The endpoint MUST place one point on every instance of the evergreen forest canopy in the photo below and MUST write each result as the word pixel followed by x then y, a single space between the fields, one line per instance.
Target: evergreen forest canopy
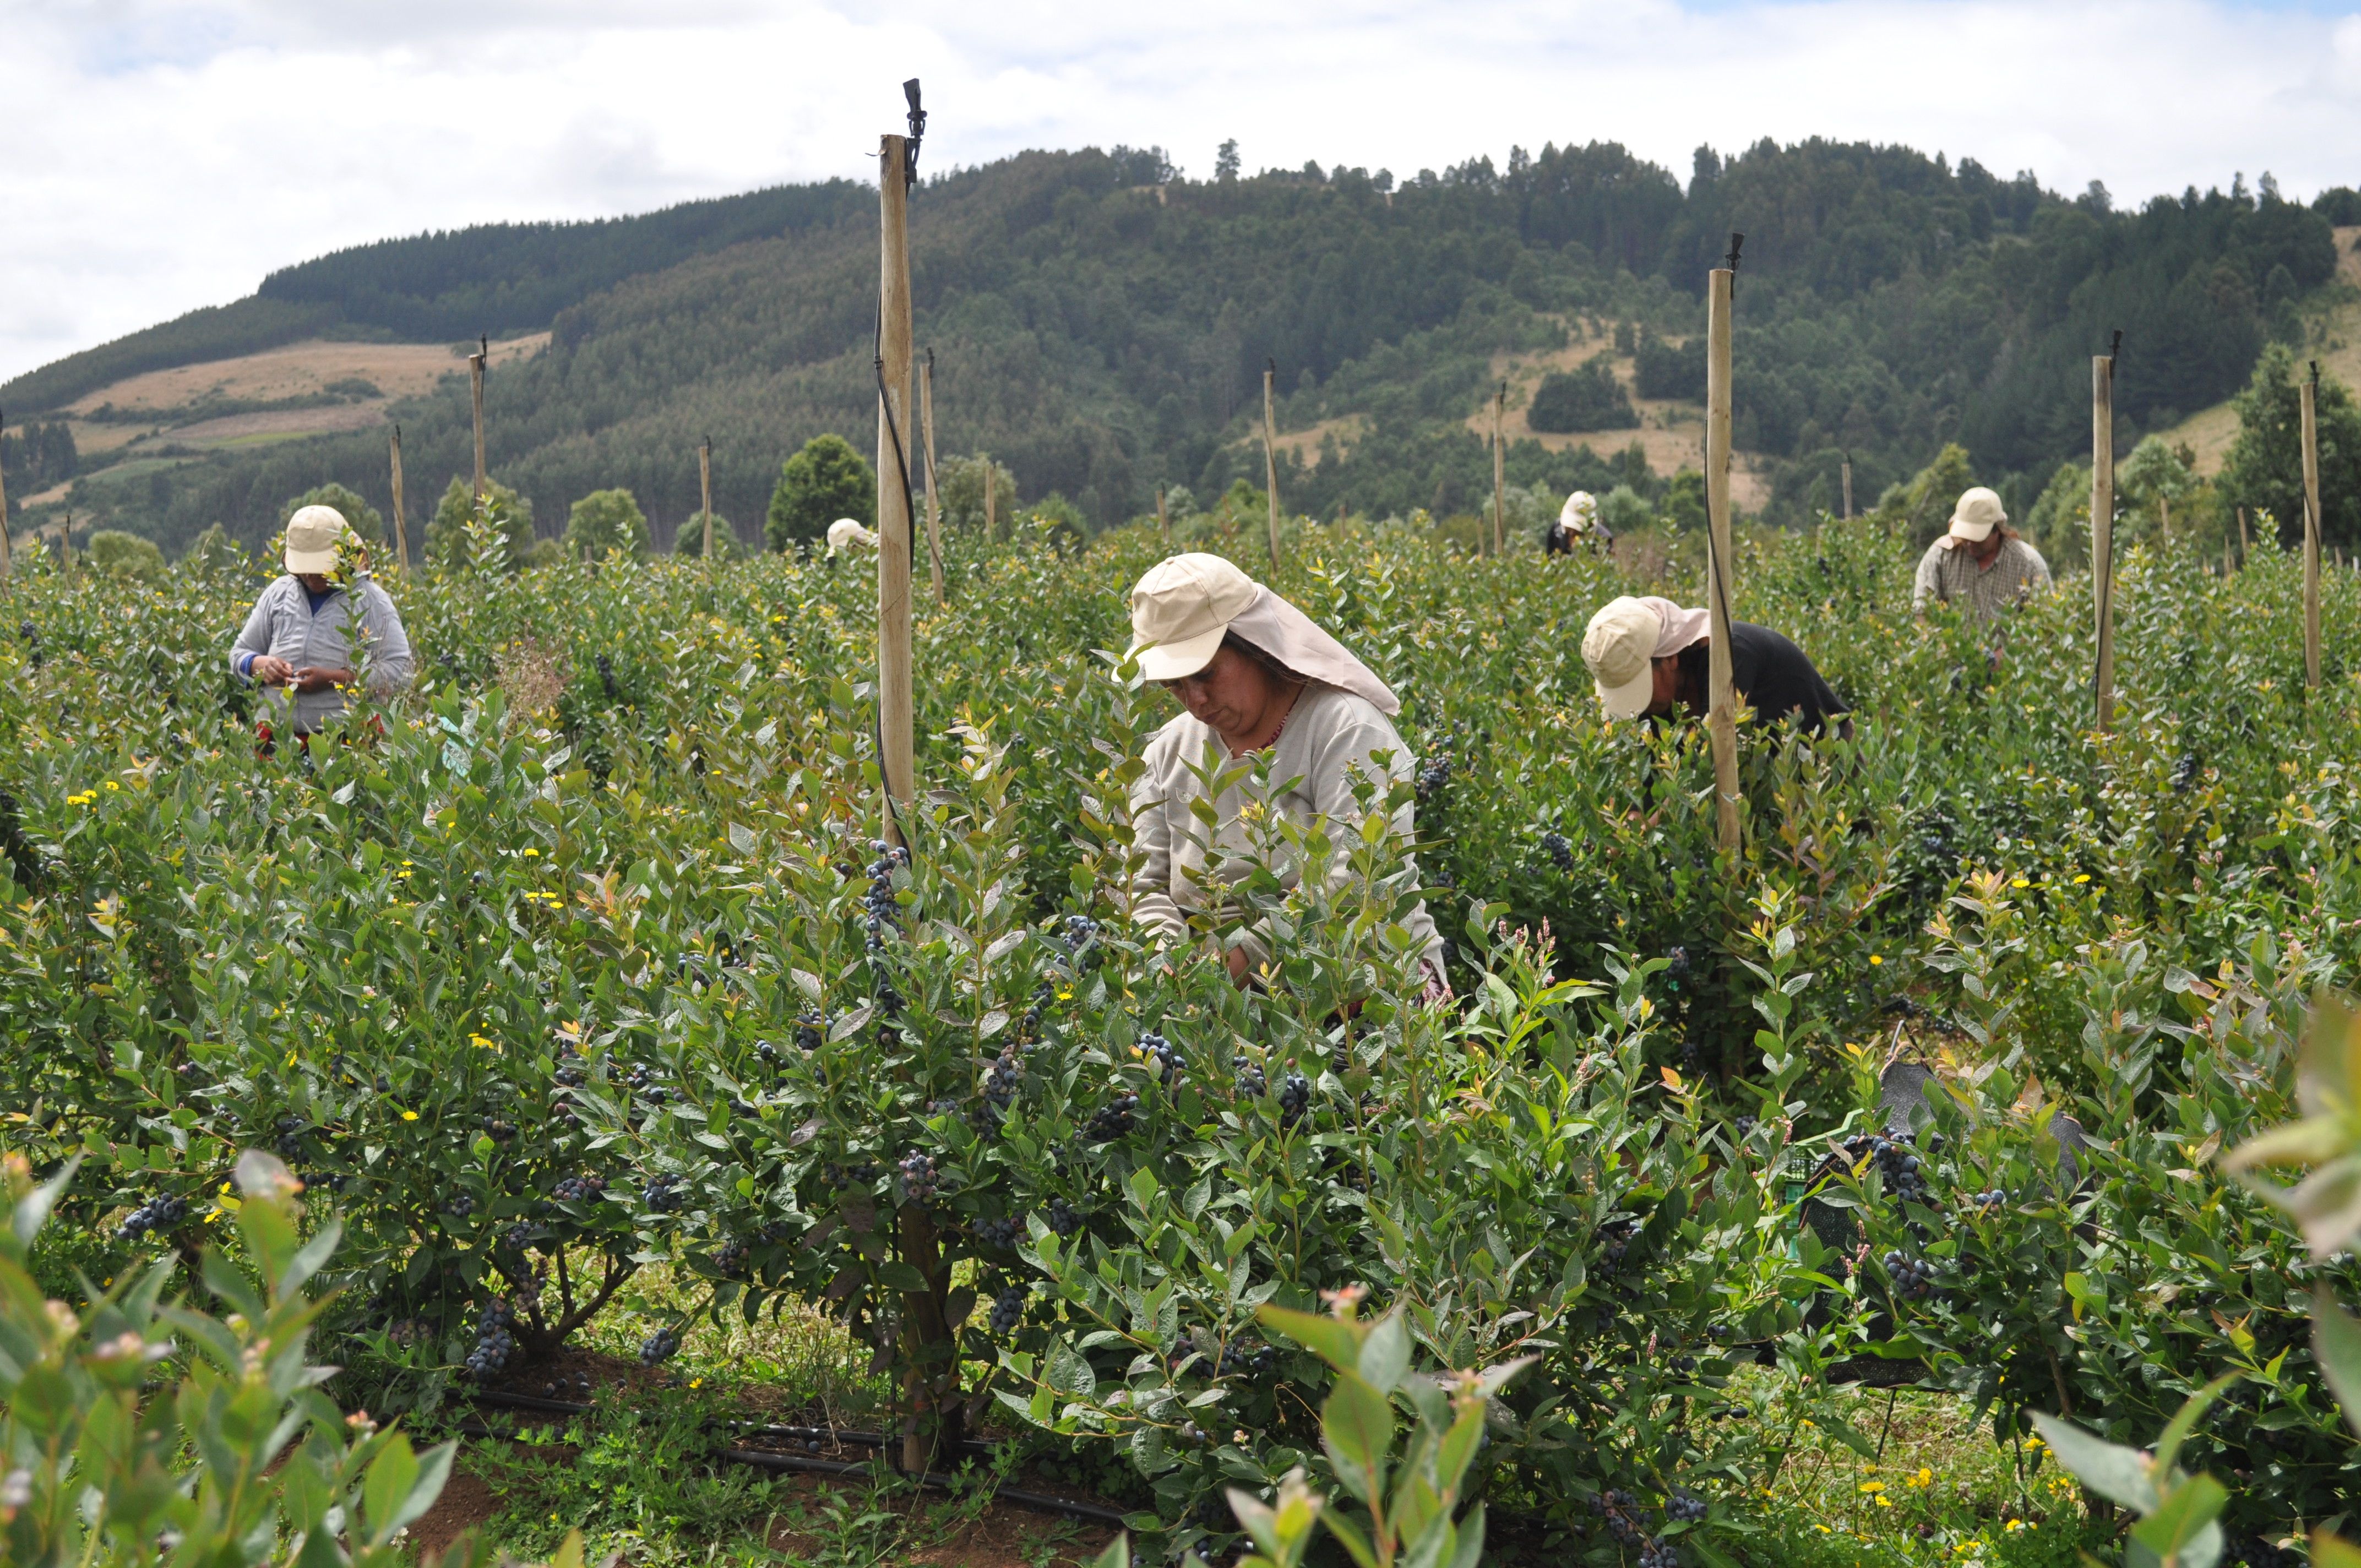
pixel 1100 326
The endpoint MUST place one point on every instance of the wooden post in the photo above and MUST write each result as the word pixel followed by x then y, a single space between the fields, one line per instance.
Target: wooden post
pixel 2309 392
pixel 895 704
pixel 1721 720
pixel 2164 521
pixel 1847 471
pixel 1270 457
pixel 1499 471
pixel 476 362
pixel 1163 521
pixel 2245 544
pixel 7 561
pixel 705 494
pixel 2102 532
pixel 934 502
pixel 65 543
pixel 991 499
pixel 400 529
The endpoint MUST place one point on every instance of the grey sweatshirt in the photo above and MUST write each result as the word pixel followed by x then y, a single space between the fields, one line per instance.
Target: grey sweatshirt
pixel 284 626
pixel 1326 734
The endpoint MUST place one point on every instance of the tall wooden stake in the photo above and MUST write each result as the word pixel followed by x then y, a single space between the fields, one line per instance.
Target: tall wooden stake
pixel 2102 532
pixel 934 502
pixel 991 499
pixel 1163 521
pixel 2245 543
pixel 65 542
pixel 476 374
pixel 1721 720
pixel 1847 472
pixel 7 562
pixel 1499 471
pixel 1270 457
pixel 400 529
pixel 2164 521
pixel 705 492
pixel 2309 392
pixel 896 703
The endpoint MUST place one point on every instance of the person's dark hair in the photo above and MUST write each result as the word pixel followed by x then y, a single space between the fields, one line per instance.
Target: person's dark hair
pixel 1270 666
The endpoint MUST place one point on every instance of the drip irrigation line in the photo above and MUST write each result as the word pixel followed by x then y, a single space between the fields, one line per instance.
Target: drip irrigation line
pixel 764 1459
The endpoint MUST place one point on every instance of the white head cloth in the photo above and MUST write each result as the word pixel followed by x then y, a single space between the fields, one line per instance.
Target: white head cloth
pixel 1681 627
pixel 1290 636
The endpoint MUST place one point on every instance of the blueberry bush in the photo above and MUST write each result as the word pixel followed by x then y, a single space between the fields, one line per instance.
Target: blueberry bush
pixel 594 953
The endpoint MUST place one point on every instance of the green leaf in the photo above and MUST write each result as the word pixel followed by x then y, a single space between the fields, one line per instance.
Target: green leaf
pixel 2168 1447
pixel 1116 1555
pixel 2118 1474
pixel 1385 1354
pixel 388 1487
pixel 2336 1341
pixel 1357 1426
pixel 1336 1342
pixel 1348 1532
pixel 2181 1531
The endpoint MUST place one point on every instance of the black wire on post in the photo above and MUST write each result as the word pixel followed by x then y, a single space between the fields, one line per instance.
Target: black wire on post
pixel 1719 567
pixel 918 121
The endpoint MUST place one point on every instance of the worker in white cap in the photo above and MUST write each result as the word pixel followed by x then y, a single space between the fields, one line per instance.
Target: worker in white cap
pixel 1980 563
pixel 844 534
pixel 298 640
pixel 1255 679
pixel 1576 521
pixel 1649 656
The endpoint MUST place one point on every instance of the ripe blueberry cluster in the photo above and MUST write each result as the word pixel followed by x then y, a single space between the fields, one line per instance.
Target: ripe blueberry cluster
pixel 1250 1079
pixel 944 1107
pixel 2184 772
pixel 1560 852
pixel 1992 1200
pixel 1163 1058
pixel 1659 1553
pixel 1080 931
pixel 1676 968
pixel 659 1347
pixel 1620 1510
pixel 920 1182
pixel 1062 1219
pixel 1294 1099
pixel 1111 1120
pixel 847 1176
pixel 1685 1507
pixel 1242 1360
pixel 607 677
pixel 643 1081
pixel 570 1074
pixel 501 1130
pixel 1614 1248
pixel 290 1141
pixel 460 1206
pixel 1008 1309
pixel 1745 1124
pixel 732 1258
pixel 1906 1180
pixel 1003 1078
pixel 577 1384
pixel 580 1190
pixel 1433 775
pixel 666 1194
pixel 517 1237
pixel 159 1214
pixel 810 1030
pixel 1003 1232
pixel 495 1340
pixel 884 911
pixel 1913 1279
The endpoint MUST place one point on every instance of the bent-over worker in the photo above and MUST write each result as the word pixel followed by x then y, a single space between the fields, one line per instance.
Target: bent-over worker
pixel 1576 521
pixel 1649 656
pixel 1254 675
pixel 299 635
pixel 1980 563
pixel 846 535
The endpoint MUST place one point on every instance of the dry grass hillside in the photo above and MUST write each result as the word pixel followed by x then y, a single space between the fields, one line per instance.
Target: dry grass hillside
pixel 143 418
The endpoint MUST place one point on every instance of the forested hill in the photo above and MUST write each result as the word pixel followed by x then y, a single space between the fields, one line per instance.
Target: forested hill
pixel 1102 327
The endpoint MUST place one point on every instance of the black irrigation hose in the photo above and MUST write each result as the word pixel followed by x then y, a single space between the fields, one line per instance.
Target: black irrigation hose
pixel 763 1459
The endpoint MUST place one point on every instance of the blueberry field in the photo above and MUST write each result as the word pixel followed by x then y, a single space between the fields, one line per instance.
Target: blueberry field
pixel 1838 1201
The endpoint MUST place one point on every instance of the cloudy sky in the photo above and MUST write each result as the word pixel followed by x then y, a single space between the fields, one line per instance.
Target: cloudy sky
pixel 164 154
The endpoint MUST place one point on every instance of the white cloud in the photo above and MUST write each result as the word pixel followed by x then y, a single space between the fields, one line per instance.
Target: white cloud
pixel 165 155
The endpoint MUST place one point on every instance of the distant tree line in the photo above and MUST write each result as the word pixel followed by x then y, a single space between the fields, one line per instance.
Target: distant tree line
pixel 1100 326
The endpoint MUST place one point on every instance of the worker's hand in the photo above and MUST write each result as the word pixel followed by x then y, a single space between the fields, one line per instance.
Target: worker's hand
pixel 313 678
pixel 270 671
pixel 1241 967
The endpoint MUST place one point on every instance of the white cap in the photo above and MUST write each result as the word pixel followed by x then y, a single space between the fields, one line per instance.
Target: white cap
pixel 1579 513
pixel 1180 609
pixel 1619 647
pixel 1977 514
pixel 313 534
pixel 844 532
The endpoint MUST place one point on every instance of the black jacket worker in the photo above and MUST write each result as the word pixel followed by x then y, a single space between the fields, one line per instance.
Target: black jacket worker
pixel 1649 656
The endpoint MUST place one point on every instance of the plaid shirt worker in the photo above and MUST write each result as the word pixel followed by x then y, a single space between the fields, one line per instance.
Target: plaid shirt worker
pixel 1948 571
